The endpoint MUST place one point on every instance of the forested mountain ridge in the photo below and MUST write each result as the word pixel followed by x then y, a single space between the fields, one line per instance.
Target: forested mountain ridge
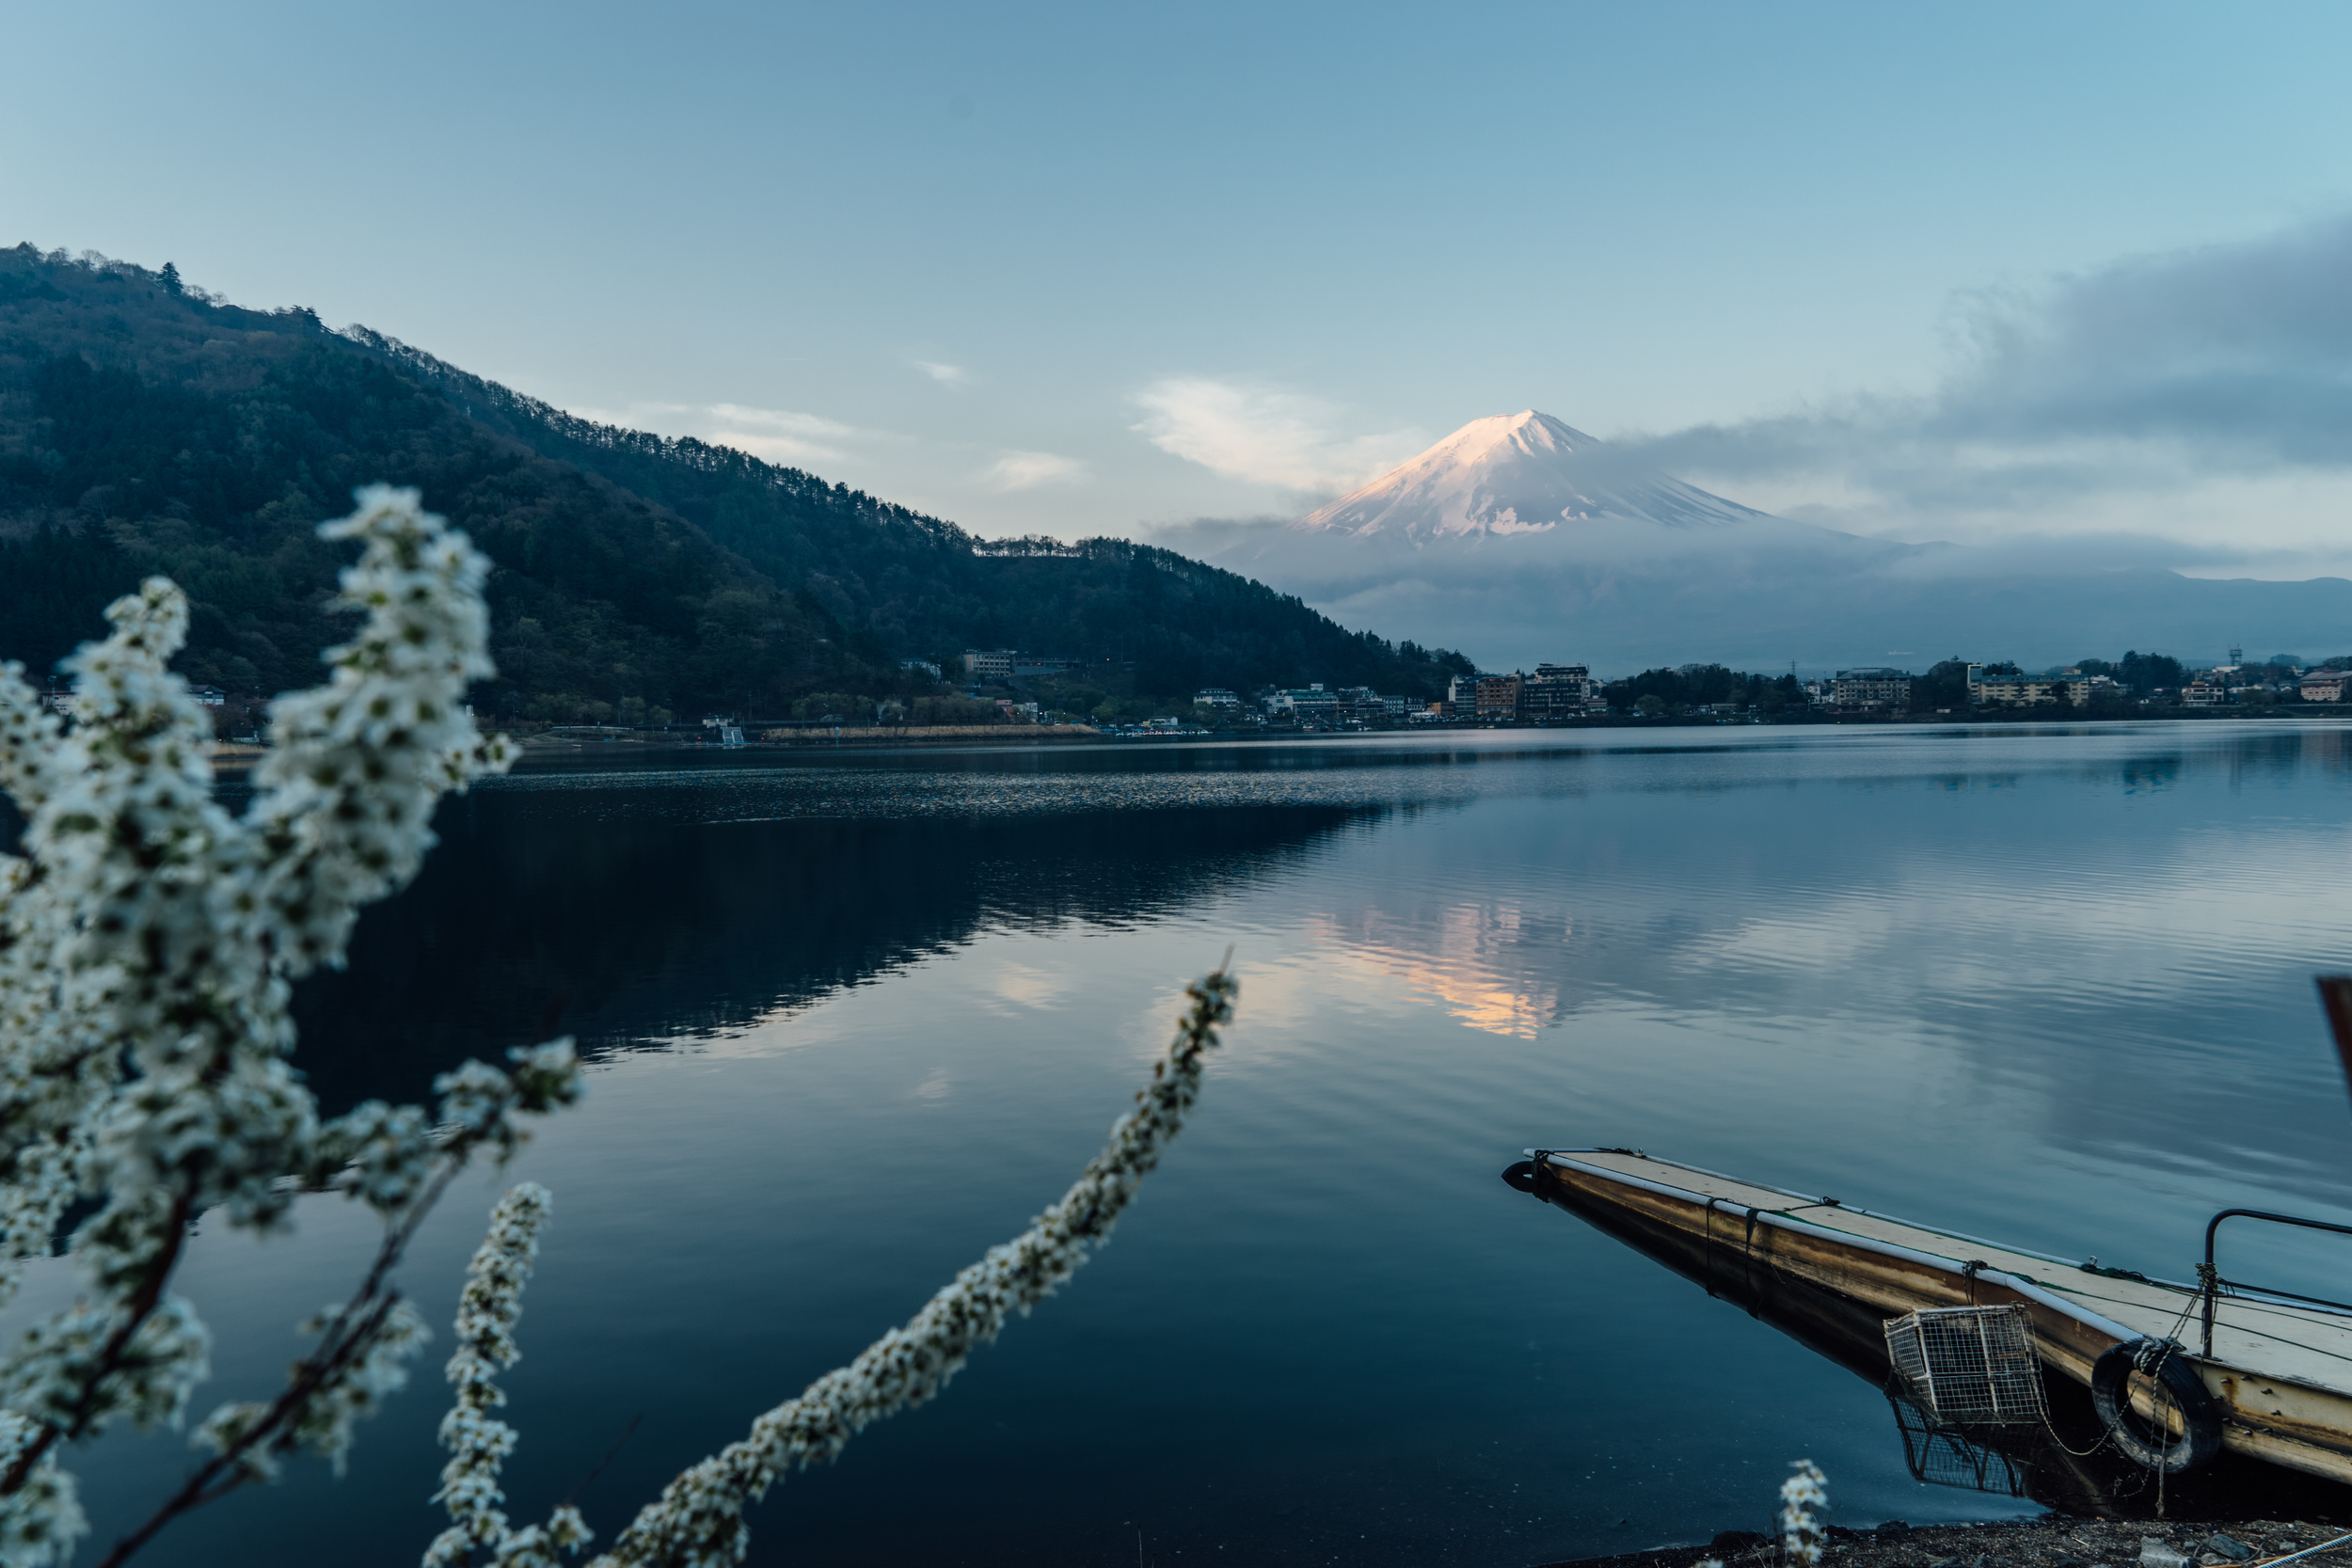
pixel 146 426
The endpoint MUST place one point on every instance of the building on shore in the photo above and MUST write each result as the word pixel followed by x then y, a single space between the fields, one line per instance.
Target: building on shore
pixel 2027 690
pixel 1498 696
pixel 1004 664
pixel 1559 691
pixel 1878 688
pixel 988 664
pixel 1307 704
pixel 1362 705
pixel 1214 696
pixel 2322 685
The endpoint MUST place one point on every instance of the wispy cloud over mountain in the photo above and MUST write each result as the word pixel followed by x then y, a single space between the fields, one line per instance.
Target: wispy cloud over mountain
pixel 1026 470
pixel 1265 435
pixel 2166 391
pixel 778 434
pixel 2190 409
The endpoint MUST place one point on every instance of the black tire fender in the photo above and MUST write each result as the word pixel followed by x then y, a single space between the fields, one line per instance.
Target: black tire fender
pixel 2147 1444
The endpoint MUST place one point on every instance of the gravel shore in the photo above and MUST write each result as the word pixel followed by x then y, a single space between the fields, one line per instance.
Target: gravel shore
pixel 2049 1541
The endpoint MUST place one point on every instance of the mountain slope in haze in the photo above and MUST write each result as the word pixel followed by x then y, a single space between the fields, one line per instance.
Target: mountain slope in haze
pixel 147 427
pixel 1521 539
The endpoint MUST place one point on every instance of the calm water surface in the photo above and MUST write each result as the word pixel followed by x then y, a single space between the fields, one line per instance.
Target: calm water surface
pixel 856 1018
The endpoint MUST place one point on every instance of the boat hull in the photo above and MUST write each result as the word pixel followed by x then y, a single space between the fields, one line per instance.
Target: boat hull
pixel 2275 1406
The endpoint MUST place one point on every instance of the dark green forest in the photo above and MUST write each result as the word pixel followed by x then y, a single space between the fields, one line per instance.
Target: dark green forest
pixel 148 427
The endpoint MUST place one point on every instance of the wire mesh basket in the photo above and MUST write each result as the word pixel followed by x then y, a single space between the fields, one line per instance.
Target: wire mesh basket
pixel 1969 1364
pixel 1943 1456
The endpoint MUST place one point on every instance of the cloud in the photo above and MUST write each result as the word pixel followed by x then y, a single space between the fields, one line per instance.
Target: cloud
pixel 2172 392
pixel 1026 470
pixel 946 376
pixel 1266 436
pixel 778 434
pixel 774 433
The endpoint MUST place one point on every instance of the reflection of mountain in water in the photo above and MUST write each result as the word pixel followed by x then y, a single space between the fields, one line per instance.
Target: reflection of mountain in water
pixel 1492 963
pixel 538 912
pixel 1952 904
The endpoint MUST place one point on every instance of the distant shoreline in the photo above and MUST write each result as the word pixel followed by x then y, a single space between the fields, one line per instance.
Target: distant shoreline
pixel 232 758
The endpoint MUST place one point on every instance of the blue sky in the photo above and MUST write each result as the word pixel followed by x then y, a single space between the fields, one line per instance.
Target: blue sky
pixel 1095 269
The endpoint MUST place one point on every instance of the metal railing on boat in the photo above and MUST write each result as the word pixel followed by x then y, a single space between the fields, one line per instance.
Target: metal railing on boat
pixel 2210 1285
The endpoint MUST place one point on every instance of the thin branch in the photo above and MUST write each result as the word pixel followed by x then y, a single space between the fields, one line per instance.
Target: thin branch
pixel 338 1343
pixel 308 1380
pixel 610 1456
pixel 699 1516
pixel 141 1307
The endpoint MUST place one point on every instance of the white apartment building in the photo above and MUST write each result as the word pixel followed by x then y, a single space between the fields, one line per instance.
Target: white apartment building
pixel 1878 687
pixel 988 664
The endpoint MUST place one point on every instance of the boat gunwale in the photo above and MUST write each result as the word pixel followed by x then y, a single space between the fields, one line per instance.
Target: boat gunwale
pixel 1835 1203
pixel 2254 1294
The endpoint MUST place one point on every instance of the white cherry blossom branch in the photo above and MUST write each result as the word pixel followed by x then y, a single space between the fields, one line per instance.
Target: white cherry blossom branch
pixel 698 1520
pixel 478 1442
pixel 147 944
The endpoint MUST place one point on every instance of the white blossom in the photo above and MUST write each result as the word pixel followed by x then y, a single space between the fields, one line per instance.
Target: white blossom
pixel 378 1153
pixel 361 1365
pixel 698 1520
pixel 1803 1498
pixel 477 1442
pixel 372 1369
pixel 148 941
pixel 41 1519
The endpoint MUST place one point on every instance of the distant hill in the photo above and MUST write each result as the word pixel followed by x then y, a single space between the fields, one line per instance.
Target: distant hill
pixel 146 426
pixel 1529 539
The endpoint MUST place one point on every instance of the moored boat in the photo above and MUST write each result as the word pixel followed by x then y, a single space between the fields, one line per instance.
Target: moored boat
pixel 2178 1371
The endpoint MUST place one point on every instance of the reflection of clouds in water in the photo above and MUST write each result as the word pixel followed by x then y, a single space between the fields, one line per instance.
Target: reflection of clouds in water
pixel 2107 963
pixel 1485 963
pixel 2045 910
pixel 2219 899
pixel 1020 985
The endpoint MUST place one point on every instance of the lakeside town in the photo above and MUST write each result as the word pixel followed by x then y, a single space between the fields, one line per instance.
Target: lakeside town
pixel 1063 700
pixel 1025 688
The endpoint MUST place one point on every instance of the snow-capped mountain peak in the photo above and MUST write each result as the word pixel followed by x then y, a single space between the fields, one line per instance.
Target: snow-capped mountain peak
pixel 1518 473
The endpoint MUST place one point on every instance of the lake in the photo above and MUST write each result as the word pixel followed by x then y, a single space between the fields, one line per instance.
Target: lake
pixel 856 1017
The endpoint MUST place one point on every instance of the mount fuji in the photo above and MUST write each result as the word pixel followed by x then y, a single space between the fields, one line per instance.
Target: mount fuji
pixel 1518 473
pixel 1520 539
